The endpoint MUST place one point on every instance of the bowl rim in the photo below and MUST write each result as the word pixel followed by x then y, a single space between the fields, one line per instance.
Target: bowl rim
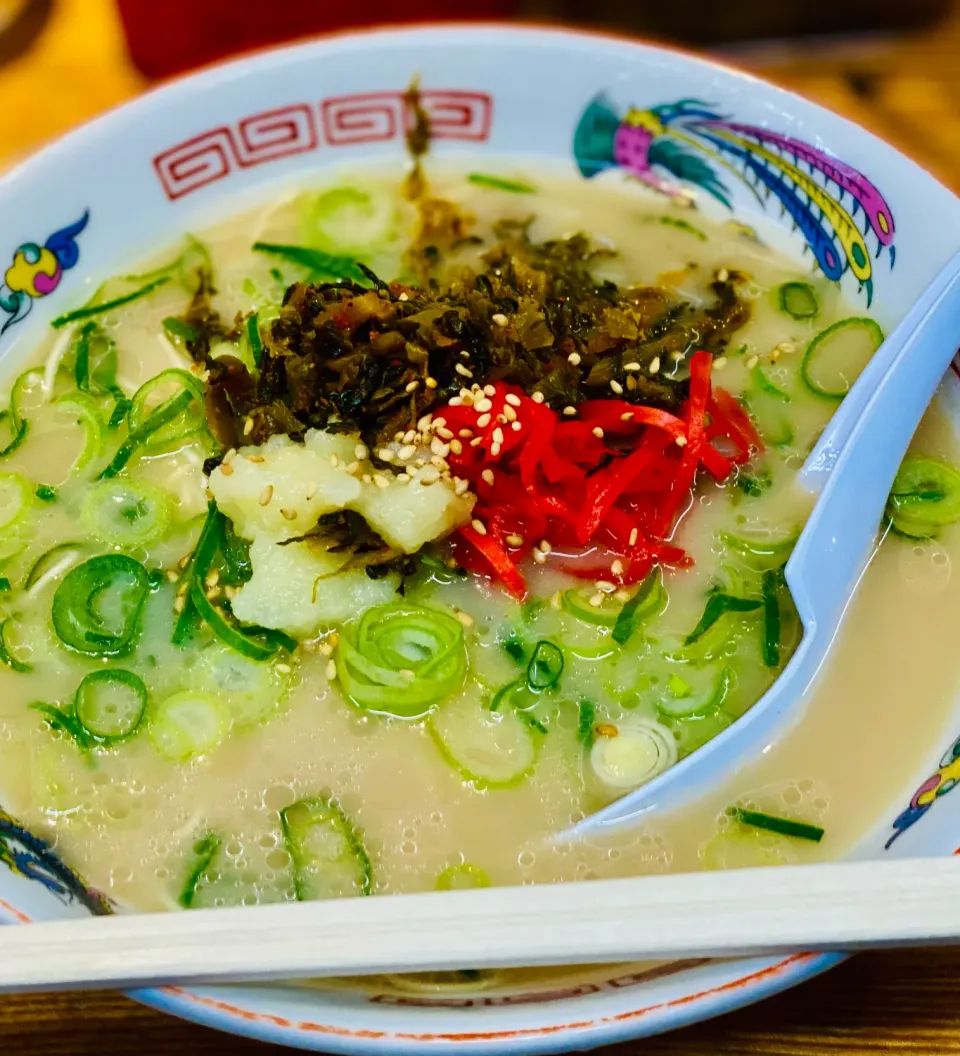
pixel 764 978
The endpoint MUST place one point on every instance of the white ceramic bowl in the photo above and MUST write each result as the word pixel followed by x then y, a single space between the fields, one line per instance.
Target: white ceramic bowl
pixel 181 156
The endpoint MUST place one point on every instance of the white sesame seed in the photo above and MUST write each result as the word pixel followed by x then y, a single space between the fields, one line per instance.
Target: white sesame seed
pixel 513 399
pixel 500 319
pixel 597 432
pixel 385 454
pixel 616 386
pixel 312 489
pixel 483 421
pixel 403 297
pixel 425 423
pixel 723 275
pixel 719 363
pixel 412 386
pixel 406 452
pixel 634 533
pixel 456 446
pixel 515 540
pixel 774 356
pixel 509 413
pixel 213 578
pixel 681 441
pixel 429 475
pixel 631 366
pixel 460 485
pixel 498 435
pixel 616 567
pixel 654 365
pixel 596 600
pixel 539 556
pixel 253 458
pixel 462 371
pixel 476 440
pixel 283 669
pixel 325 648
pixel 495 449
pixel 544 546
pixel 455 401
pixel 404 478
pixel 489 390
pixel 752 362
pixel 226 469
pixel 488 476
pixel 627 416
pixel 574 359
pixel 444 433
pixel 569 410
pixel 465 434
pixel 438 447
pixel 290 515
pixel 409 436
pixel 464 617
pixel 360 451
pixel 248 427
pixel 366 478
pixel 516 426
pixel 331 670
pixel 478 526
pixel 380 480
pixel 605 586
pixel 353 468
pixel 538 397
pixel 431 383
pixel 482 406
pixel 334 460
pixel 266 495
pixel 178 604
pixel 230 455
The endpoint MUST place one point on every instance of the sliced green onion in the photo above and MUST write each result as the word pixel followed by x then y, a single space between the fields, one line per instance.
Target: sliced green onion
pixel 516 695
pixel 64 721
pixel 403 660
pixel 636 754
pixel 604 614
pixel 177 429
pixel 719 605
pixel 209 543
pixel 350 220
pixel 81 369
pixel 253 338
pixel 798 300
pixel 17 495
pixel 545 667
pixel 764 384
pixel 497 183
pixel 254 643
pixel 4 583
pixel 683 225
pixel 586 719
pixel 17 421
pixel 126 513
pixel 166 412
pixel 329 859
pixel 649 601
pixel 513 646
pixel 110 704
pixel 86 413
pixel 205 849
pixel 770 591
pixel 180 330
pixel 753 485
pixel 89 310
pixel 463 877
pixel 45 493
pixel 6 656
pixel 782 826
pixel 925 497
pixel 323 265
pixel 55 560
pixel 836 356
pixel 188 724
pixel 493 749
pixel 97 607
pixel 759 546
pixel 699 691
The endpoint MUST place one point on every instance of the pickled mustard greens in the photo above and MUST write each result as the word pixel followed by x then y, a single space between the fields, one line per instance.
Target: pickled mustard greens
pixel 362 527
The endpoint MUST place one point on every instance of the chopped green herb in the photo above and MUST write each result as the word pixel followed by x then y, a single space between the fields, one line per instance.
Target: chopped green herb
pixel 322 265
pixel 648 599
pixel 801 830
pixel 770 590
pixel 545 667
pixel 754 486
pixel 585 724
pixel 683 225
pixel 253 336
pixel 45 493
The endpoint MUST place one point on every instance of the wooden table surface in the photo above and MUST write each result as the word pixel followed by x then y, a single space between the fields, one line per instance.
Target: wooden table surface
pixel 907 90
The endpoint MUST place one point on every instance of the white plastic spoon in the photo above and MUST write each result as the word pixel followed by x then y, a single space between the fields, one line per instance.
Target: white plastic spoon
pixel 852 469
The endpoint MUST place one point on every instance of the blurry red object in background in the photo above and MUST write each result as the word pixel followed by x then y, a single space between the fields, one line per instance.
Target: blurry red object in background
pixel 169 36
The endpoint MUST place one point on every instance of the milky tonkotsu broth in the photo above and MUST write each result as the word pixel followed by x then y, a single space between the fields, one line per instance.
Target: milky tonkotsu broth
pixel 126 818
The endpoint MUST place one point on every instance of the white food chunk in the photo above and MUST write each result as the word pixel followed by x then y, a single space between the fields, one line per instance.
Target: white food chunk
pixel 299 588
pixel 408 515
pixel 287 486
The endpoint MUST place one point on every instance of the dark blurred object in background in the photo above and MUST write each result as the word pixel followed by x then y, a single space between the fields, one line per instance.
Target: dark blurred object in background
pixel 170 36
pixel 20 24
pixel 707 22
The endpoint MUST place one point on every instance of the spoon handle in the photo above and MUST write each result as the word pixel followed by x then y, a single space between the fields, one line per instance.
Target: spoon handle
pixel 857 464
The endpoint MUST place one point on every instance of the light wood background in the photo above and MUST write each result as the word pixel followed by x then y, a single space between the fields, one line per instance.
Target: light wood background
pixel 905 89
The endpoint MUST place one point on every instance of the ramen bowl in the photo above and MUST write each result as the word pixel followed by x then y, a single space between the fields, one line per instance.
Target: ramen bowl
pixel 807 181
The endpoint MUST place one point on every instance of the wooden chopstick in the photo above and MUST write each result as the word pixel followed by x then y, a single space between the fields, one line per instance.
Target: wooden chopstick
pixel 710 914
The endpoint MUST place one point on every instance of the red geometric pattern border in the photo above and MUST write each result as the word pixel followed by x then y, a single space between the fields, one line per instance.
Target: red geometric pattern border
pixel 368 117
